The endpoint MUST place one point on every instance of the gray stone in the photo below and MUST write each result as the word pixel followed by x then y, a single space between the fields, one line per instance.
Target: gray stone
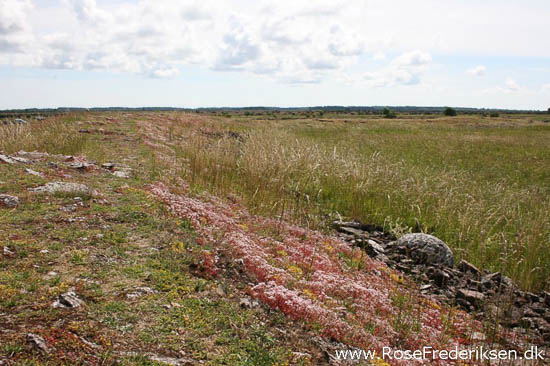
pixel 8 252
pixel 171 361
pixel 37 343
pixel 473 297
pixel 19 159
pixel 140 291
pixel 466 267
pixel 62 187
pixel 80 166
pixel 8 201
pixel 32 154
pixel 426 249
pixel 352 231
pixel 440 278
pixel 122 174
pixel 373 248
pixel 68 300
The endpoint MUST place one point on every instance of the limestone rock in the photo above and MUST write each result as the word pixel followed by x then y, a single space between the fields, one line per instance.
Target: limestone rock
pixel 68 300
pixel 5 159
pixel 62 187
pixel 426 249
pixel 122 174
pixel 140 291
pixel 8 201
pixel 33 172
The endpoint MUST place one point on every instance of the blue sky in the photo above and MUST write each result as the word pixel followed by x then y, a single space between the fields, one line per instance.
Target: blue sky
pixel 192 53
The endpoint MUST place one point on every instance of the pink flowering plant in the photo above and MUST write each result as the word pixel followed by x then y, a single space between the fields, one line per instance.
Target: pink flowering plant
pixel 320 280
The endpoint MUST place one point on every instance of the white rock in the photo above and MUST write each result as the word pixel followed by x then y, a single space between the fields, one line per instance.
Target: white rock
pixel 33 172
pixel 6 159
pixel 67 300
pixel 122 174
pixel 62 187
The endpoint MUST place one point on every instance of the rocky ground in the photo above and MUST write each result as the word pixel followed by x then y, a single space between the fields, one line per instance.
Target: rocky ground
pixel 115 260
pixel 491 297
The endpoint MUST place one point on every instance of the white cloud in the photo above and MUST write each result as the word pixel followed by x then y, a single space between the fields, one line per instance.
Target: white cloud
pixel 379 56
pixel 405 69
pixel 290 41
pixel 545 88
pixel 476 71
pixel 511 86
pixel 15 30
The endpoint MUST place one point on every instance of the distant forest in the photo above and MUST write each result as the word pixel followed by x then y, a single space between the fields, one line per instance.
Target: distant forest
pixel 261 110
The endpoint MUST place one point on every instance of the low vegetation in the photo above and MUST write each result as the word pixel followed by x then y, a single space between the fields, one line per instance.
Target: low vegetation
pixel 479 184
pixel 171 263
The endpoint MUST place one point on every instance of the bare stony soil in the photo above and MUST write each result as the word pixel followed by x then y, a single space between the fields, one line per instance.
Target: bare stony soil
pixel 109 257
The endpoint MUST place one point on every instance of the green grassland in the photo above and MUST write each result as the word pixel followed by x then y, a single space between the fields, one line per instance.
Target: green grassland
pixel 481 184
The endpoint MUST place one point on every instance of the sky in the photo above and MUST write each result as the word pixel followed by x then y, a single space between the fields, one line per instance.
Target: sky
pixel 212 53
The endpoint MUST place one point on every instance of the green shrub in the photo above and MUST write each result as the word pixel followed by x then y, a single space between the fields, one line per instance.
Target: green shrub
pixel 388 113
pixel 451 112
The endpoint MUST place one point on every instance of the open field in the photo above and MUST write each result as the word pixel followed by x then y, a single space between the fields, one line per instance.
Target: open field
pixel 172 263
pixel 480 184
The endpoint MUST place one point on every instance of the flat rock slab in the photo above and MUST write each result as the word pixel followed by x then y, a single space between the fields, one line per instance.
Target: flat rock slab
pixel 62 187
pixel 473 297
pixel 122 174
pixel 33 172
pixel 5 159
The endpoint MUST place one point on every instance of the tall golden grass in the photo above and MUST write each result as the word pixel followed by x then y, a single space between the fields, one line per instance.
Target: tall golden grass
pixel 57 135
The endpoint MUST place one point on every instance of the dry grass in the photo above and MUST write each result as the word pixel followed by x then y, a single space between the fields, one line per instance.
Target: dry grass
pixel 57 135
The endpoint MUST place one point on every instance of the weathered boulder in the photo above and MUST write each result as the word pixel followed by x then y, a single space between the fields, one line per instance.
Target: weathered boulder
pixel 425 249
pixel 8 201
pixel 62 187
